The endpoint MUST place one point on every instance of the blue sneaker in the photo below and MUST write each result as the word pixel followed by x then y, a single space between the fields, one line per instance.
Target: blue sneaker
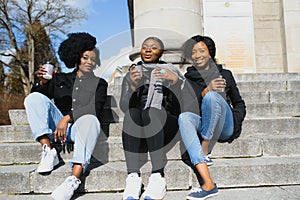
pixel 200 194
pixel 208 160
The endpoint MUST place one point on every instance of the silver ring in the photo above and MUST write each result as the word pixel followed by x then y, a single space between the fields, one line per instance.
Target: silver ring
pixel 162 71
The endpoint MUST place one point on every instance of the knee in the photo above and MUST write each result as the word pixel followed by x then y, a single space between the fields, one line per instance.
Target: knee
pixel 181 117
pixel 33 99
pixel 184 118
pixel 210 97
pixel 89 121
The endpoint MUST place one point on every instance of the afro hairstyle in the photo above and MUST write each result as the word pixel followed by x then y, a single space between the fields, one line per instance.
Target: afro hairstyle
pixel 71 49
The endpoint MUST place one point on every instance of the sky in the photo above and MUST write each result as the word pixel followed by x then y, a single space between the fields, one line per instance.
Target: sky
pixel 108 21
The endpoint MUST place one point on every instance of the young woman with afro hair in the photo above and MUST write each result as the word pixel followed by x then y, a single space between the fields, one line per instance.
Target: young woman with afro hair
pixel 68 107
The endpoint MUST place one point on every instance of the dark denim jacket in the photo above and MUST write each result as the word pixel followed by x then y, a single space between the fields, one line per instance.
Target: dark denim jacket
pixel 74 96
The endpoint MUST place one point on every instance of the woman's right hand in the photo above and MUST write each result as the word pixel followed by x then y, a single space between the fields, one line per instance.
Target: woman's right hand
pixel 61 129
pixel 42 71
pixel 135 77
pixel 217 84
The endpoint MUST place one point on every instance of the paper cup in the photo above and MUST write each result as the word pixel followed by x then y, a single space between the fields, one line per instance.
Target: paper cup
pixel 49 68
pixel 139 67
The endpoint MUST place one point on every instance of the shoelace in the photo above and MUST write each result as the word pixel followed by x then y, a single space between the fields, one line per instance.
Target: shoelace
pixel 45 152
pixel 153 183
pixel 132 182
pixel 196 190
pixel 73 183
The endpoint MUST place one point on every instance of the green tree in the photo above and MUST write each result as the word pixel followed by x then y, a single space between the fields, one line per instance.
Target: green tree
pixel 22 25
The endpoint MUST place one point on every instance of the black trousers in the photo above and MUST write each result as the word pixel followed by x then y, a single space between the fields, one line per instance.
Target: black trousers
pixel 151 130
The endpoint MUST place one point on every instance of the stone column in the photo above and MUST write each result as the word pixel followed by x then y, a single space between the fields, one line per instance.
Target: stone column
pixel 291 11
pixel 173 21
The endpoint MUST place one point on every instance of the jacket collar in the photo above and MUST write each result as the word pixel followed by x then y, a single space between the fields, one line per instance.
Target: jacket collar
pixel 85 76
pixel 193 74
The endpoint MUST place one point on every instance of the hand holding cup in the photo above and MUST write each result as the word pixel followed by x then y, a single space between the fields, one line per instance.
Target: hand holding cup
pixel 49 69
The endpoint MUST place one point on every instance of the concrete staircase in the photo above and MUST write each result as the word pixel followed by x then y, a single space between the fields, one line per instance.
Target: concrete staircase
pixel 266 154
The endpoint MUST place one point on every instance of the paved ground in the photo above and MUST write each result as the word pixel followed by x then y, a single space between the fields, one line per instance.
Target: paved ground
pixel 262 193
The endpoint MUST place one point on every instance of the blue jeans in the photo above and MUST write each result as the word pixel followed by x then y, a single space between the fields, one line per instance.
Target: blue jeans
pixel 43 116
pixel 216 123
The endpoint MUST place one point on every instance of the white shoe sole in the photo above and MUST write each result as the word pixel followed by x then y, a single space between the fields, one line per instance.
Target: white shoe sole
pixel 194 198
pixel 54 196
pixel 163 196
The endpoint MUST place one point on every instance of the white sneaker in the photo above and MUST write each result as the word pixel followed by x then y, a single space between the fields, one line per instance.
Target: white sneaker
pixel 49 160
pixel 66 190
pixel 133 187
pixel 156 187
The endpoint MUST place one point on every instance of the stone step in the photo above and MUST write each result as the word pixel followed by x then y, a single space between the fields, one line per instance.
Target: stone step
pixel 247 83
pixel 246 77
pixel 263 86
pixel 270 106
pixel 110 150
pixel 22 133
pixel 250 125
pixel 253 89
pixel 249 86
pixel 227 173
pixel 266 77
pixel 16 133
pixel 267 110
pixel 251 193
pixel 268 92
pixel 271 125
pixel 273 109
pixel 287 97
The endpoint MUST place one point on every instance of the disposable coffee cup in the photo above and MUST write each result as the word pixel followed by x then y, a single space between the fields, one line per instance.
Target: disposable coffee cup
pixel 139 68
pixel 223 89
pixel 49 68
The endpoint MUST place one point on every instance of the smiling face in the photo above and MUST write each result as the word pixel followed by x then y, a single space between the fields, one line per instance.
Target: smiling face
pixel 151 51
pixel 87 62
pixel 200 55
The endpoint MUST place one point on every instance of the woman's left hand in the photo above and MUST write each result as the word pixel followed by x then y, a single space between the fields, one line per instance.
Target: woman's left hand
pixel 166 74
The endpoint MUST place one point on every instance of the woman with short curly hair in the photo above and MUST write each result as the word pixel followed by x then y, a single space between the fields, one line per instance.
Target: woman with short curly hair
pixel 75 112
